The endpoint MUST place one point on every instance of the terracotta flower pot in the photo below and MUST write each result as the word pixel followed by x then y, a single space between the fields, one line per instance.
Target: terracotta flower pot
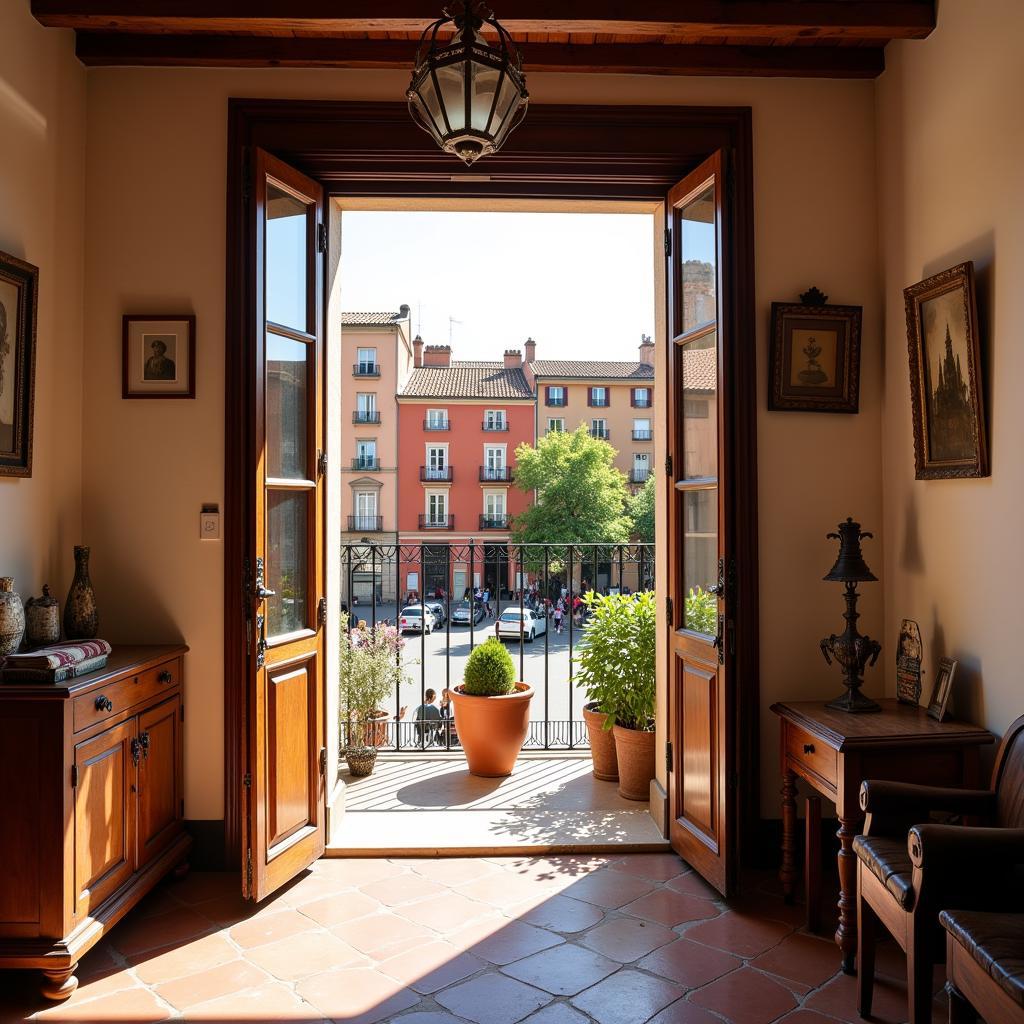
pixel 602 744
pixel 375 729
pixel 492 729
pixel 635 753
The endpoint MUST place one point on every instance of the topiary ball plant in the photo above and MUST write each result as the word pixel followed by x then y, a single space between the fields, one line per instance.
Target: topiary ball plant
pixel 489 670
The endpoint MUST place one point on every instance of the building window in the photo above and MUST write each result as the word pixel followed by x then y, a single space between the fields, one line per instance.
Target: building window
pixel 437 508
pixel 365 506
pixel 366 363
pixel 641 398
pixel 366 408
pixel 494 462
pixel 599 397
pixel 366 455
pixel 556 425
pixel 642 430
pixel 641 468
pixel 494 419
pixel 695 408
pixel 437 419
pixel 599 428
pixel 555 395
pixel 437 462
pixel 495 516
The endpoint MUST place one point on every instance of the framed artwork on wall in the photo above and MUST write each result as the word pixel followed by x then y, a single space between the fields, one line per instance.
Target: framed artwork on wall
pixel 945 376
pixel 814 362
pixel 940 691
pixel 19 303
pixel 159 357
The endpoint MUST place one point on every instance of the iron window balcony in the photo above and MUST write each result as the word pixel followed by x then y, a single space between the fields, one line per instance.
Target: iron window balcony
pixel 642 403
pixel 495 426
pixel 430 474
pixel 434 522
pixel 601 435
pixel 366 524
pixel 366 462
pixel 643 435
pixel 428 425
pixel 639 476
pixel 366 370
pixel 556 403
pixel 496 474
pixel 599 403
pixel 366 416
pixel 494 522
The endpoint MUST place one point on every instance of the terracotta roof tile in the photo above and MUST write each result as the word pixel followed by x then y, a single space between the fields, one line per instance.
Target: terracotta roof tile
pixel 370 319
pixel 588 368
pixel 469 379
pixel 700 369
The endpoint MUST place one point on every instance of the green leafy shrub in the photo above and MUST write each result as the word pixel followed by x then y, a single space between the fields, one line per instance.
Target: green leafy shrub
pixel 489 670
pixel 616 658
pixel 701 611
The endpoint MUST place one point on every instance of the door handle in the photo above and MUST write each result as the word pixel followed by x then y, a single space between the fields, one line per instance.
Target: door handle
pixel 136 749
pixel 144 743
pixel 262 593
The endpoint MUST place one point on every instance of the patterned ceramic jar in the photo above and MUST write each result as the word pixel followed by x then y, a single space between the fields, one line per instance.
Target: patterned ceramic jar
pixel 42 620
pixel 12 618
pixel 81 619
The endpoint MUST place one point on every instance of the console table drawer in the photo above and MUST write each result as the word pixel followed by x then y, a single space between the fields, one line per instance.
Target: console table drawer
pixel 807 751
pixel 107 701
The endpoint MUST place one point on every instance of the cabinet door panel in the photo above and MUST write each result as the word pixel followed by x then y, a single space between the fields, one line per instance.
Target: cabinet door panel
pixel 104 815
pixel 159 795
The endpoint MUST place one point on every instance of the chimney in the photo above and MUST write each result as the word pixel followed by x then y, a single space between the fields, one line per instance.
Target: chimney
pixel 531 350
pixel 437 355
pixel 404 310
pixel 513 359
pixel 646 350
pixel 417 351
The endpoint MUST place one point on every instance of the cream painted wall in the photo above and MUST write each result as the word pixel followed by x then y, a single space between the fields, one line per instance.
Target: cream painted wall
pixel 155 182
pixel 950 153
pixel 42 215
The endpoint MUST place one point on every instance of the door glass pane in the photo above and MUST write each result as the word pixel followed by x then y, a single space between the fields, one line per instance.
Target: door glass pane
pixel 286 256
pixel 699 368
pixel 698 257
pixel 287 527
pixel 700 559
pixel 287 393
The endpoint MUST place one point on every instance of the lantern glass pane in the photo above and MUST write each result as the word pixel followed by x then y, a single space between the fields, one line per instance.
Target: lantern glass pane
pixel 507 99
pixel 485 81
pixel 430 117
pixel 453 95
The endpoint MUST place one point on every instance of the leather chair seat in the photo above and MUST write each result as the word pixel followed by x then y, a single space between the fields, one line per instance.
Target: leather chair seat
pixel 889 861
pixel 995 942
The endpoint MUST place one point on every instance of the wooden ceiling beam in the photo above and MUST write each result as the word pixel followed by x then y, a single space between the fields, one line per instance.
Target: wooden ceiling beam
pixel 121 50
pixel 704 19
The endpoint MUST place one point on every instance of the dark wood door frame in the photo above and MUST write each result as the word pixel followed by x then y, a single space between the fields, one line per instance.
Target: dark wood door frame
pixel 560 152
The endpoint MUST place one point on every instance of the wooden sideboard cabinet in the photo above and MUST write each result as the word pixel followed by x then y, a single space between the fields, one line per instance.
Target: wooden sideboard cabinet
pixel 93 806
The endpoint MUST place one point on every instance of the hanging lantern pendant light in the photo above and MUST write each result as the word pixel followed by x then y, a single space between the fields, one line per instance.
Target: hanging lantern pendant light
pixel 466 92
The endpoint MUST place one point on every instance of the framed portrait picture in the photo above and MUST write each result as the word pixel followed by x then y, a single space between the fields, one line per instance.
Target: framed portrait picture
pixel 940 691
pixel 814 362
pixel 19 303
pixel 159 359
pixel 945 376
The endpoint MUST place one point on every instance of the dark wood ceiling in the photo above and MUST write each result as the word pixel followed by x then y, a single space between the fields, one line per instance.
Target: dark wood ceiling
pixel 798 38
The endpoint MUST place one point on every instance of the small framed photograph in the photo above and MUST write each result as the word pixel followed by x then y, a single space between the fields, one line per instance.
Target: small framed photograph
pixel 814 362
pixel 940 691
pixel 19 302
pixel 945 376
pixel 159 359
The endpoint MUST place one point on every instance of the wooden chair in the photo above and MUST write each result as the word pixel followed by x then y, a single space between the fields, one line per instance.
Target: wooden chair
pixel 907 872
pixel 984 966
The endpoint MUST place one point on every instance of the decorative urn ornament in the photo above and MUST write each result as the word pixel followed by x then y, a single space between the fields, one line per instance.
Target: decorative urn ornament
pixel 467 91
pixel 12 618
pixel 81 619
pixel 42 620
pixel 850 648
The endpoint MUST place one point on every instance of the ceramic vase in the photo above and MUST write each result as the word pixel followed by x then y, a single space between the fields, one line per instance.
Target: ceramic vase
pixel 42 620
pixel 12 618
pixel 81 620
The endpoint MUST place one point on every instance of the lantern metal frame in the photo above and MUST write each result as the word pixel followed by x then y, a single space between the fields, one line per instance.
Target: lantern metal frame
pixel 426 97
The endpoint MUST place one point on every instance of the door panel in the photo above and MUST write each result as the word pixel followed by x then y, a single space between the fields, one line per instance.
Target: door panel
pixel 159 793
pixel 104 815
pixel 285 798
pixel 700 703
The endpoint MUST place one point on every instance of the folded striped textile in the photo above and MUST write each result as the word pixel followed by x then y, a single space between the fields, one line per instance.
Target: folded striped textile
pixel 20 674
pixel 64 655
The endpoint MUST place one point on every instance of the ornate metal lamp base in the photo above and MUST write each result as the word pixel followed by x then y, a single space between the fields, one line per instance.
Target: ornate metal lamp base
pixel 854 702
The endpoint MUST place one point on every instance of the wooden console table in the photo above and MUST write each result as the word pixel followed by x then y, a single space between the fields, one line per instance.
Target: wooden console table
pixel 834 751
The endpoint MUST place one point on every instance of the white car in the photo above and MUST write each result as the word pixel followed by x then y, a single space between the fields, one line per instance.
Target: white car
pixel 515 623
pixel 412 620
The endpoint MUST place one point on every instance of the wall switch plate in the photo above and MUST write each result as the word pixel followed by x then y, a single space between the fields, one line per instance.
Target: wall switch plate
pixel 209 524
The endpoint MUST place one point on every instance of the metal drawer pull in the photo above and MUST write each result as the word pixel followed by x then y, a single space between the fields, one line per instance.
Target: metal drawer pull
pixel 165 677
pixel 808 748
pixel 104 703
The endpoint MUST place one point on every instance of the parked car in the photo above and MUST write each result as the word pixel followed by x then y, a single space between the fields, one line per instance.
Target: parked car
pixel 413 620
pixel 515 623
pixel 436 608
pixel 464 611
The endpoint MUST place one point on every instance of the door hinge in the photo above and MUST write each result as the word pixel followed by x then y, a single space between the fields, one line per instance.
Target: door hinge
pixel 669 611
pixel 323 761
pixel 74 776
pixel 321 463
pixel 668 242
pixel 247 780
pixel 248 872
pixel 321 238
pixel 321 612
pixel 669 759
pixel 668 465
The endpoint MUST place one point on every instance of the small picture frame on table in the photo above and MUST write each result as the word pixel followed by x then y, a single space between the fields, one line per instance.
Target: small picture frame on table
pixel 159 356
pixel 940 691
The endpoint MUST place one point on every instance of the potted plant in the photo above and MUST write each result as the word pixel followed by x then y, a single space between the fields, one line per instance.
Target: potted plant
pixel 492 711
pixel 370 671
pixel 616 668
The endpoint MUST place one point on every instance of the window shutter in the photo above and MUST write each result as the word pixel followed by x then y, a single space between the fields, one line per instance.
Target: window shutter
pixel 607 396
pixel 590 396
pixel 547 395
pixel 632 397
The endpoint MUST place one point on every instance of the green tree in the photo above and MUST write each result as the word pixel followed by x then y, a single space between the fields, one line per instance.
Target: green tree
pixel 641 512
pixel 580 496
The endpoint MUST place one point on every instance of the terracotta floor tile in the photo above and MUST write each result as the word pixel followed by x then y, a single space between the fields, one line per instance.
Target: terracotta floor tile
pixel 202 986
pixel 888 1006
pixel 137 1005
pixel 391 892
pixel 563 914
pixel 104 984
pixel 693 885
pixel 670 908
pixel 803 958
pixel 312 887
pixel 445 913
pixel 514 941
pixel 139 934
pixel 265 1004
pixel 226 910
pixel 627 997
pixel 802 1016
pixel 299 956
pixel 738 933
pixel 453 871
pixel 556 1013
pixel 199 886
pixel 259 930
pixel 564 971
pixel 682 1011
pixel 745 997
pixel 504 890
pixel 689 963
pixel 431 966
pixel 379 933
pixel 658 867
pixel 624 939
pixel 429 1017
pixel 339 908
pixel 493 999
pixel 159 901
pixel 772 907
pixel 356 994
pixel 609 889
pixel 178 961
pixel 357 872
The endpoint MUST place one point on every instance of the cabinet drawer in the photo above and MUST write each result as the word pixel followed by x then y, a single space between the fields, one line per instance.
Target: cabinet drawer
pixel 804 749
pixel 110 700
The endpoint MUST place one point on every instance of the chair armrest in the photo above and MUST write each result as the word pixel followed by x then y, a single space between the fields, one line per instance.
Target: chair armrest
pixel 895 806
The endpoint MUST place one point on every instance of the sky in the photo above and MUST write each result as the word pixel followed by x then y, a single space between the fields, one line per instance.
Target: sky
pixel 580 284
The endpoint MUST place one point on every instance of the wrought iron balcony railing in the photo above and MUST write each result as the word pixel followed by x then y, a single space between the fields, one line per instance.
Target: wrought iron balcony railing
pixel 366 370
pixel 435 474
pixel 366 416
pixel 492 426
pixel 369 524
pixel 436 425
pixel 494 522
pixel 601 433
pixel 496 474
pixel 434 522
pixel 366 462
pixel 643 435
pixel 639 476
